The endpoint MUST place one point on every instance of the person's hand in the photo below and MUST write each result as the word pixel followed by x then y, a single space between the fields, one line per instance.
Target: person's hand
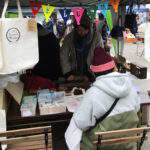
pixel 71 78
pixel 82 78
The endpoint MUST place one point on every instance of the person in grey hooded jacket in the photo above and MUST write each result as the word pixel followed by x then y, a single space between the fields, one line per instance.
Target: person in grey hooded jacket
pixel 101 27
pixel 108 86
pixel 76 53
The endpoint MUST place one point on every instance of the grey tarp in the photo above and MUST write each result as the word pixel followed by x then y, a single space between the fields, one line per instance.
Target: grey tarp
pixel 65 3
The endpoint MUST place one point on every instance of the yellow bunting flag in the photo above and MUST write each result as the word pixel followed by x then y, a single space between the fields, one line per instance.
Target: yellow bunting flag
pixel 115 4
pixel 47 9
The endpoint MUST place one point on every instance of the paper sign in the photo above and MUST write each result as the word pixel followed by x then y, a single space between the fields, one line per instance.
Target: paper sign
pixel 65 13
pixel 92 12
pixel 78 12
pixel 47 9
pixel 115 4
pixel 35 6
pixel 32 25
pixel 103 8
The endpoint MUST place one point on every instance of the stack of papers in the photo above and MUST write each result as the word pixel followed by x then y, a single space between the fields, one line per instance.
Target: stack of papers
pixel 51 102
pixel 28 106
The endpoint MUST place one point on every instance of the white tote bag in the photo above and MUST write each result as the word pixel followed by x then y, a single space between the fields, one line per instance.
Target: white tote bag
pixel 1 58
pixel 19 42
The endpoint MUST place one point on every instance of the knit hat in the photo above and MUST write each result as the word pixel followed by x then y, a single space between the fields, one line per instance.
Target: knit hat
pixel 102 61
pixel 85 22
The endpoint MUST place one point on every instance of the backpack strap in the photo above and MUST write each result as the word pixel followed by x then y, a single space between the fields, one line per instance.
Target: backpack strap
pixel 103 32
pixel 108 112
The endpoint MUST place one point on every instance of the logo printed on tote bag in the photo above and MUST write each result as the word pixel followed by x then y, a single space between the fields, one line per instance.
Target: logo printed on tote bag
pixel 13 35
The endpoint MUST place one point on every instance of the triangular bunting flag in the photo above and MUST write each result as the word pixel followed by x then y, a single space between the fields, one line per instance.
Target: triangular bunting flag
pixel 78 12
pixel 92 12
pixel 65 13
pixel 47 9
pixel 115 4
pixel 103 8
pixel 110 25
pixel 35 6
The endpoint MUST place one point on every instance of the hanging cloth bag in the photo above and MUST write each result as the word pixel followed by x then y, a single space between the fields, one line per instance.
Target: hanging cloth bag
pixel 1 58
pixel 117 30
pixel 18 42
pixel 130 20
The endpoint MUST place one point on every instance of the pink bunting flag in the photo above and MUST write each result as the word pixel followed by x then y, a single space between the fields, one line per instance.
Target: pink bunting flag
pixel 78 12
pixel 35 5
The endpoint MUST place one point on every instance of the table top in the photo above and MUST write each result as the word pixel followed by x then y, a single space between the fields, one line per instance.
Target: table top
pixel 145 99
pixel 144 86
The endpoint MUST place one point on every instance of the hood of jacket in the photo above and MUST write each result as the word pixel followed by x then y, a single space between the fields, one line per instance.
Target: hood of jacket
pixel 114 84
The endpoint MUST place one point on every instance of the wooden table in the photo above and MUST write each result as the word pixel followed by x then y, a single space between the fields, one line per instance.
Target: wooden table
pixel 145 99
pixel 145 108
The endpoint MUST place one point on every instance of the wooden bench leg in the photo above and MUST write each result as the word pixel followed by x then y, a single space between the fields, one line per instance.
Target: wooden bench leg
pixel 142 139
pixel 46 138
pixel 99 142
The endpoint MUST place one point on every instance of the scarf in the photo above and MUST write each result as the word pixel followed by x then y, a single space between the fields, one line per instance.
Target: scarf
pixel 81 47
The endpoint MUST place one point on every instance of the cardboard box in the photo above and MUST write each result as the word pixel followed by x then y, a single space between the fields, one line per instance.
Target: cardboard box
pixel 52 107
pixel 13 91
pixel 28 106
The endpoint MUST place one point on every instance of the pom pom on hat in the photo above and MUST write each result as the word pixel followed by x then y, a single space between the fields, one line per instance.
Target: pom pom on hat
pixel 101 61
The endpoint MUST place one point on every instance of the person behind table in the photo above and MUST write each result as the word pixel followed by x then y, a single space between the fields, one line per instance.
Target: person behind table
pixel 49 25
pixel 49 60
pixel 101 27
pixel 108 86
pixel 76 53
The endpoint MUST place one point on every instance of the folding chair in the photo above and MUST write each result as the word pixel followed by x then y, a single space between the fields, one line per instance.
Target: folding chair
pixel 37 138
pixel 140 44
pixel 121 137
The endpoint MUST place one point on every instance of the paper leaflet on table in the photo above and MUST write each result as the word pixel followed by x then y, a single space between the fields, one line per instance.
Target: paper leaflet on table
pixel 73 102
